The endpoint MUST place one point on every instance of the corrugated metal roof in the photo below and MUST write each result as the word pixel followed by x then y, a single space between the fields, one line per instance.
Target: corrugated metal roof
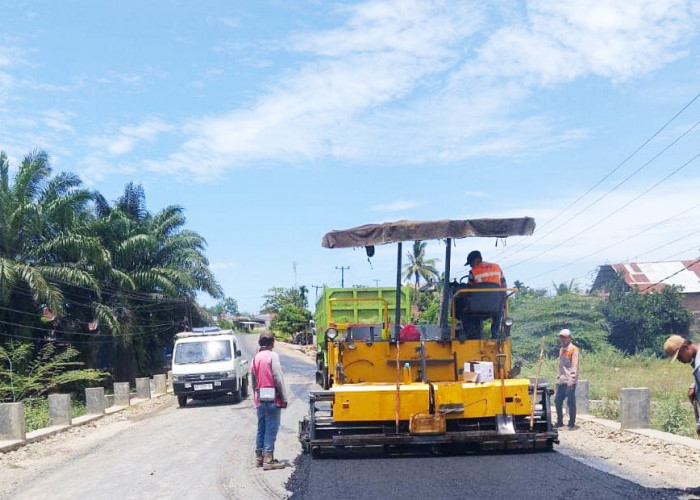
pixel 653 276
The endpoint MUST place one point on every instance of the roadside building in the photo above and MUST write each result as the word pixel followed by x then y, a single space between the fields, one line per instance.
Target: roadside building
pixel 650 277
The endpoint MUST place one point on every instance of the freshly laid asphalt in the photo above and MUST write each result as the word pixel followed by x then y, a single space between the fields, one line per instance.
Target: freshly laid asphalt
pixel 496 475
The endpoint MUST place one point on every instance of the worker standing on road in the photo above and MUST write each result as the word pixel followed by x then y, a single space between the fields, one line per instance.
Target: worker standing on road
pixel 270 397
pixel 566 381
pixel 685 351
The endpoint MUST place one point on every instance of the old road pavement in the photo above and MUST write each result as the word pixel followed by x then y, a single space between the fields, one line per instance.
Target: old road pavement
pixel 205 451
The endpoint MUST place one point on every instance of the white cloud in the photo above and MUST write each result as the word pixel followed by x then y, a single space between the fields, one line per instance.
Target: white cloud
pixel 364 93
pixel 475 194
pixel 57 120
pixel 649 229
pixel 223 266
pixel 130 136
pixel 560 41
pixel 395 206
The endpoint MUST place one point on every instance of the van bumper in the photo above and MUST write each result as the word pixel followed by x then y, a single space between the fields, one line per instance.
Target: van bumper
pixel 202 387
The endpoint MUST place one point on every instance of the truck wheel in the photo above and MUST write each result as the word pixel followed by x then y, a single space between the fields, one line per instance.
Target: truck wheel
pixel 244 387
pixel 182 400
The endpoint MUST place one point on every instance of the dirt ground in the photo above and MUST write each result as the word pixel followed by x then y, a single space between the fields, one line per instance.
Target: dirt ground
pixel 19 465
pixel 648 461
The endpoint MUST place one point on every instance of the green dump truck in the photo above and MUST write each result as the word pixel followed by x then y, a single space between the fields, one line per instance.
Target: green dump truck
pixel 369 307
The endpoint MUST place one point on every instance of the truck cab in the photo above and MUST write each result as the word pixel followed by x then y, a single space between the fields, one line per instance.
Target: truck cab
pixel 207 363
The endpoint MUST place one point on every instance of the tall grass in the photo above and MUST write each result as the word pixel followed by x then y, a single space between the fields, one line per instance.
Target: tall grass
pixel 609 370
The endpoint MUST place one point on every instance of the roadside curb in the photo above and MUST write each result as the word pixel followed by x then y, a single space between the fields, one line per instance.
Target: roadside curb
pixel 46 432
pixel 667 437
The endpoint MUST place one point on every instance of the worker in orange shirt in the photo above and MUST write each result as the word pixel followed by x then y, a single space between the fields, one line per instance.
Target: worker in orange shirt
pixel 484 274
pixel 566 381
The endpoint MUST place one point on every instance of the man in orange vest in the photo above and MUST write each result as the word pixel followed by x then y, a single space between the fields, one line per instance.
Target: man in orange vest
pixel 484 274
pixel 566 381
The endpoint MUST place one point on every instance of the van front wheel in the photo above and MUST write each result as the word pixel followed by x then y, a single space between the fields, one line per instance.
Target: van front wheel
pixel 182 400
pixel 237 394
pixel 244 387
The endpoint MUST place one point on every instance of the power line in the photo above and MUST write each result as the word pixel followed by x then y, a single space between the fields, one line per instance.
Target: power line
pixel 610 214
pixel 584 209
pixel 657 224
pixel 623 162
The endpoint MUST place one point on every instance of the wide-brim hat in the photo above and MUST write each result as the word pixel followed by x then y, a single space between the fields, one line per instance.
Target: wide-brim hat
pixel 672 346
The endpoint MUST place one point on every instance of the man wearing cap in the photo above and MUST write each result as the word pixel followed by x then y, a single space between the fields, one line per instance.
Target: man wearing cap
pixel 566 381
pixel 483 274
pixel 269 396
pixel 685 351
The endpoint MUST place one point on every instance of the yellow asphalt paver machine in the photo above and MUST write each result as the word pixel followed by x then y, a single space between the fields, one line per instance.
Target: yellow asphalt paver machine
pixel 445 385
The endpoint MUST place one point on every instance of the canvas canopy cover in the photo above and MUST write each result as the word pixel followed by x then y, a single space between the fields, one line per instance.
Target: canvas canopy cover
pixel 406 230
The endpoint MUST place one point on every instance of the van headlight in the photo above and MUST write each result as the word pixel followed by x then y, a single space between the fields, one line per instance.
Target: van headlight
pixel 227 374
pixel 178 378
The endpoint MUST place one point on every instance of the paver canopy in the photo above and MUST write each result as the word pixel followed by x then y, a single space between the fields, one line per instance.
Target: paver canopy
pixel 406 230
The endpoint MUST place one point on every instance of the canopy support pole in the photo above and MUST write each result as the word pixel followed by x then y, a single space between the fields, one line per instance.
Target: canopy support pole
pixel 445 302
pixel 397 317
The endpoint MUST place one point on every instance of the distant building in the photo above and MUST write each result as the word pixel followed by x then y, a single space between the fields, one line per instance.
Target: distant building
pixel 247 323
pixel 653 277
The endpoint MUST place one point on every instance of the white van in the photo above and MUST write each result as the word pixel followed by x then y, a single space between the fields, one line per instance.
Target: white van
pixel 207 364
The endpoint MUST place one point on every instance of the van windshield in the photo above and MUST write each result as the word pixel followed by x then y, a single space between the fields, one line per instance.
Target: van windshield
pixel 202 352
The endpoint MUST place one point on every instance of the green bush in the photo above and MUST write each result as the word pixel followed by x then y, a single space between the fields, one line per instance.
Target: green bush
pixel 36 412
pixel 607 408
pixel 672 415
pixel 26 374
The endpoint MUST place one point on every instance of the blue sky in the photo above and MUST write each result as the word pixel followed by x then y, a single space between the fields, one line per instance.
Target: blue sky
pixel 274 122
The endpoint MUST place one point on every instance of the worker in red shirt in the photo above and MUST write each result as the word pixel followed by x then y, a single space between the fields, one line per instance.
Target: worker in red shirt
pixel 269 396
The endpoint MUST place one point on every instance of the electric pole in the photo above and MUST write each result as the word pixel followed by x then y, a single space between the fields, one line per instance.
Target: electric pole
pixel 317 287
pixel 376 283
pixel 342 275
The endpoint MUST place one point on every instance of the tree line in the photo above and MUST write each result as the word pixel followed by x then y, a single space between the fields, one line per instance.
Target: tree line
pixel 112 280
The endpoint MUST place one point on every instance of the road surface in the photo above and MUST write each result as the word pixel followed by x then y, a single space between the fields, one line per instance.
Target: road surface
pixel 205 450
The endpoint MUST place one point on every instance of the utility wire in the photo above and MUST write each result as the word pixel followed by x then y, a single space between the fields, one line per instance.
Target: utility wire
pixel 623 162
pixel 646 164
pixel 610 214
pixel 623 240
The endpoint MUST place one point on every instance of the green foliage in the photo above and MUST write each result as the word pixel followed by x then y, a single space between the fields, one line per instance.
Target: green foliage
pixel 418 266
pixel 228 305
pixel 640 321
pixel 669 414
pixel 608 409
pixel 67 249
pixel 277 298
pixel 291 319
pixel 428 303
pixel 566 288
pixel 26 374
pixel 36 412
pixel 539 316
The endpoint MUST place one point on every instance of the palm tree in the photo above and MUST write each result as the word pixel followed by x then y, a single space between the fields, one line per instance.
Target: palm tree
pixel 40 250
pixel 157 269
pixel 418 266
